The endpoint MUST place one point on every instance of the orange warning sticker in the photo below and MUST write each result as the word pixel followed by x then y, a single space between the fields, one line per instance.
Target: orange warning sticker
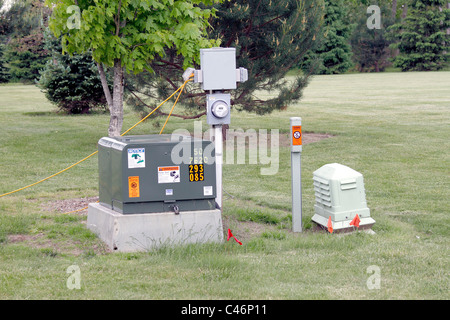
pixel 296 135
pixel 133 187
pixel 169 174
pixel 168 168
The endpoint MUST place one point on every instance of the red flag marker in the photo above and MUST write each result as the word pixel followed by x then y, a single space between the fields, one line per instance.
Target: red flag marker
pixel 230 235
pixel 355 222
pixel 330 225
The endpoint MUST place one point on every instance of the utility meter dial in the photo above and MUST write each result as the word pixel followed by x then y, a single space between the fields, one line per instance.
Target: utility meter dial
pixel 220 109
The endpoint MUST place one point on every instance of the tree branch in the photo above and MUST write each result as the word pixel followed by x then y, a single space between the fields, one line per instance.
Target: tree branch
pixel 267 22
pixel 117 18
pixel 108 96
pixel 159 112
pixel 175 65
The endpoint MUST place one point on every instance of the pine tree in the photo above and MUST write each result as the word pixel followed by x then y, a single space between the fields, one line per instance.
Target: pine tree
pixel 71 82
pixel 270 38
pixel 26 56
pixel 423 40
pixel 334 52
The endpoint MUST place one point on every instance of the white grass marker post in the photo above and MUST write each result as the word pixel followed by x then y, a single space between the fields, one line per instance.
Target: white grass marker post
pixel 296 172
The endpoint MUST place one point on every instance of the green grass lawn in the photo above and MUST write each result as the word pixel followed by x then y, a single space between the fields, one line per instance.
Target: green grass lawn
pixel 394 128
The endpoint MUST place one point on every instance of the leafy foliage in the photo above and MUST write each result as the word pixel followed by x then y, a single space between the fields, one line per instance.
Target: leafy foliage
pixel 133 31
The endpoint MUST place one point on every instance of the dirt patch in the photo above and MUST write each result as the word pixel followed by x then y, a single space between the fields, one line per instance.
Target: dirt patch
pixel 244 231
pixel 40 241
pixel 50 247
pixel 69 205
pixel 15 238
pixel 307 137
pixel 311 137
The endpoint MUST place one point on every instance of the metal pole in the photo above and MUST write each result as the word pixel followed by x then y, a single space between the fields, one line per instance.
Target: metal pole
pixel 296 172
pixel 218 142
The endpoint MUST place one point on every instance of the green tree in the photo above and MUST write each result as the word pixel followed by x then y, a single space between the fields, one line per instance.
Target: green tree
pixel 21 28
pixel 128 34
pixel 26 56
pixel 370 47
pixel 333 52
pixel 270 38
pixel 71 82
pixel 423 41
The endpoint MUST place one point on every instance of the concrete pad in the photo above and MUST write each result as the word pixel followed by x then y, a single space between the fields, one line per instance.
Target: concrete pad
pixel 147 231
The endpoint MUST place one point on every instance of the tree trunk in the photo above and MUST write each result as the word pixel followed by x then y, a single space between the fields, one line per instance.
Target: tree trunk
pixel 394 52
pixel 405 11
pixel 105 86
pixel 394 9
pixel 116 110
pixel 115 101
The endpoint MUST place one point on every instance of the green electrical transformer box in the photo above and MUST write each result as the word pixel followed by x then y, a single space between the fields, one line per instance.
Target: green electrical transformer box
pixel 156 173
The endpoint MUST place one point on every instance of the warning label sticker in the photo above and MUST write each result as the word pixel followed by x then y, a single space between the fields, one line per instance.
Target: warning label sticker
pixel 297 135
pixel 136 158
pixel 133 187
pixel 168 174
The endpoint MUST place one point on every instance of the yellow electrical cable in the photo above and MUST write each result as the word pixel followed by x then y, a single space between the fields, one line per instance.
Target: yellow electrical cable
pixel 146 117
pixel 53 175
pixel 173 107
pixel 91 155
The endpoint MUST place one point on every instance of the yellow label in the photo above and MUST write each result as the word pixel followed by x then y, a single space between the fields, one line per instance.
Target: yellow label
pixel 133 187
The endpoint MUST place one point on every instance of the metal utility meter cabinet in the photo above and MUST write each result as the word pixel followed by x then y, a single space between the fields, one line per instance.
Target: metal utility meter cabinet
pixel 218 73
pixel 156 173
